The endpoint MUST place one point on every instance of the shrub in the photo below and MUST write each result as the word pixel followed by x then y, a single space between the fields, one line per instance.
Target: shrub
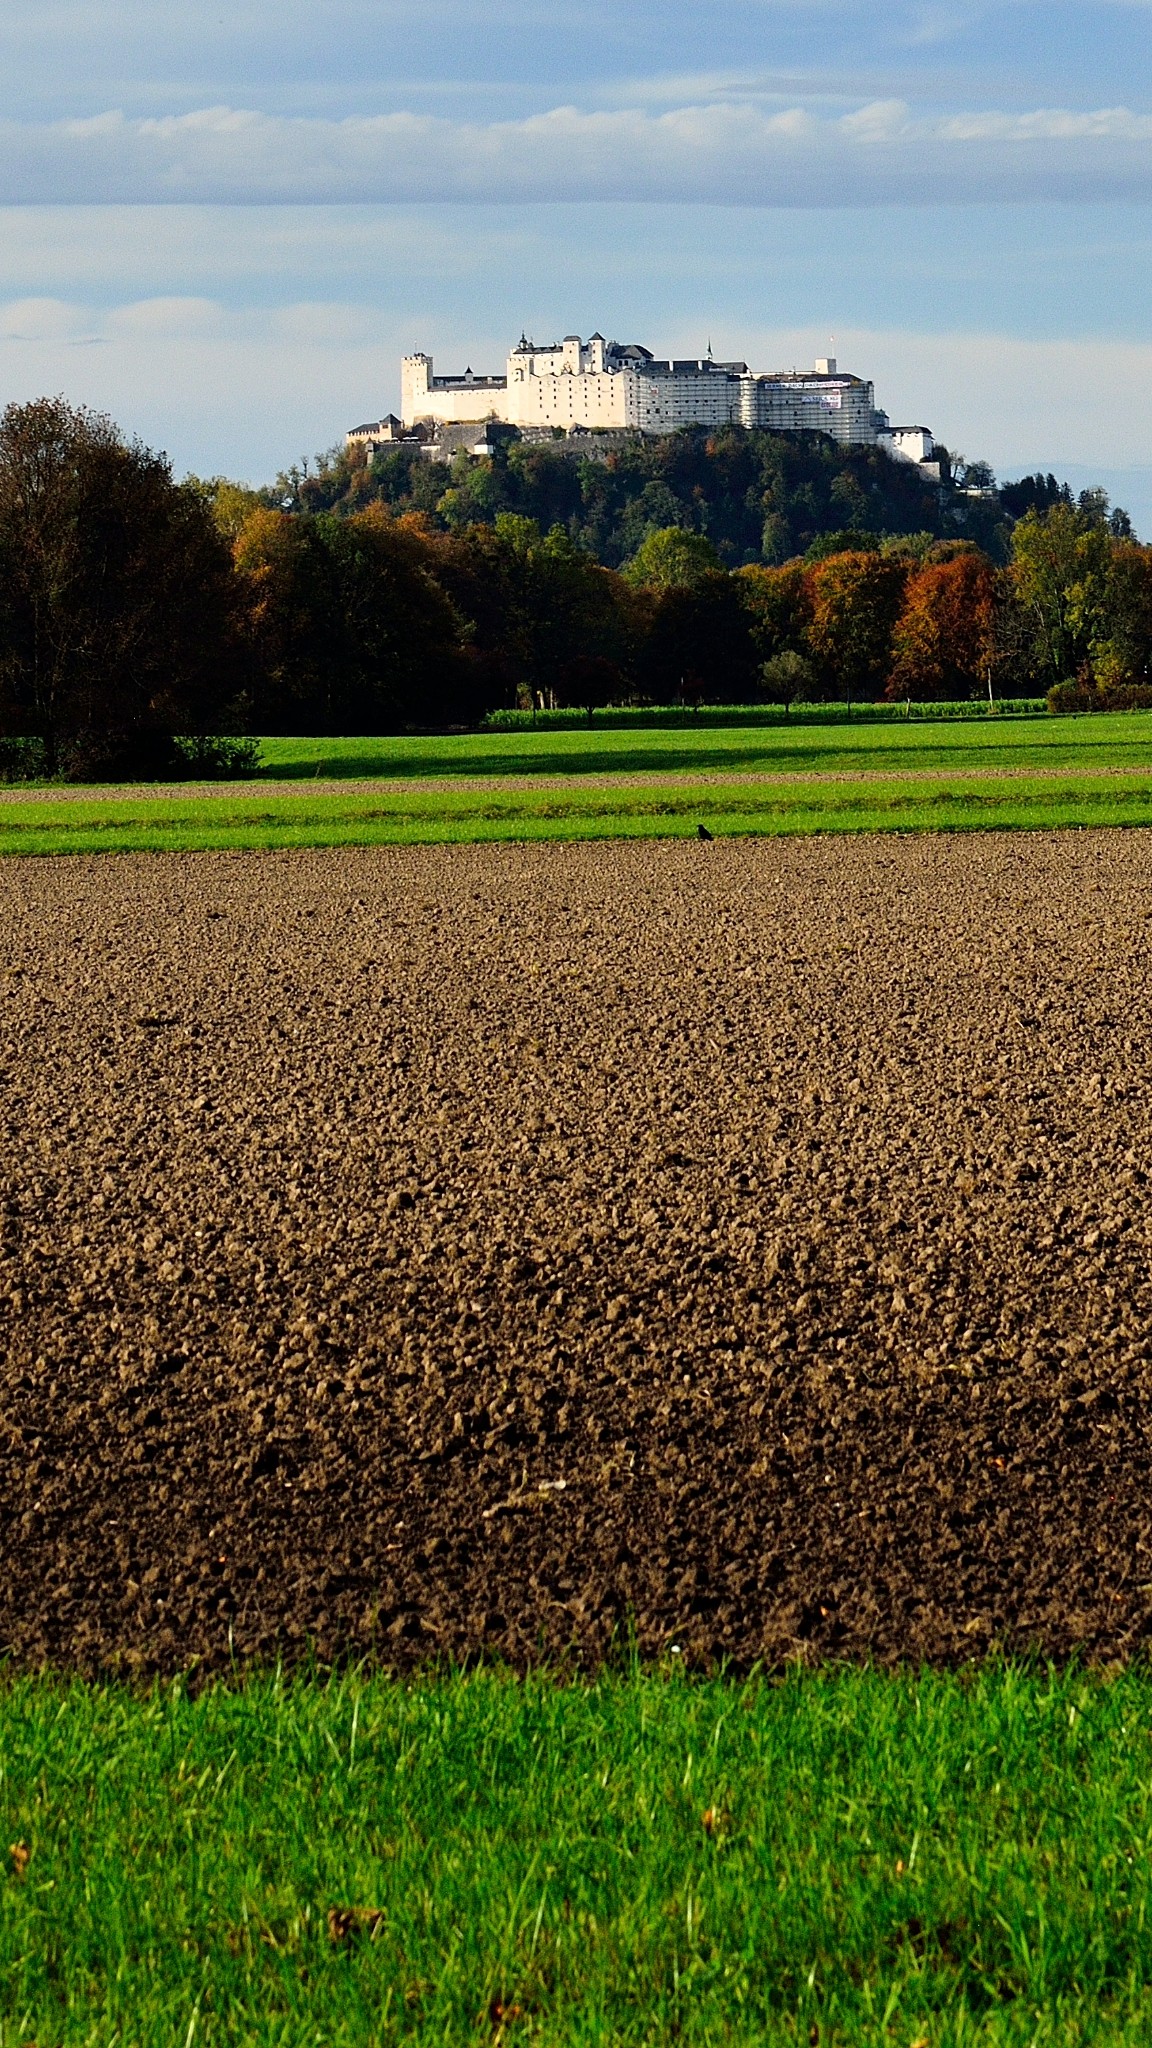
pixel 218 758
pixel 1084 694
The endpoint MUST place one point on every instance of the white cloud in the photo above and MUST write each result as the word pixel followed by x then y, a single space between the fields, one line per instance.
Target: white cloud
pixel 881 121
pixel 44 319
pixel 1109 124
pixel 165 318
pixel 727 152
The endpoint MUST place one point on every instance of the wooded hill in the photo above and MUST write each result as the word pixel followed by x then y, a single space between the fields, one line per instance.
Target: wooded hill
pixel 758 497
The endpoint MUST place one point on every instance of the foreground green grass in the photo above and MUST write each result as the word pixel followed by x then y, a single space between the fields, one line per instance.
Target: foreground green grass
pixel 891 1859
pixel 414 815
pixel 1116 739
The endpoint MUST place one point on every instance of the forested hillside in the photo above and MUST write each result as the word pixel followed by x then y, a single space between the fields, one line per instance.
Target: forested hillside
pixel 758 497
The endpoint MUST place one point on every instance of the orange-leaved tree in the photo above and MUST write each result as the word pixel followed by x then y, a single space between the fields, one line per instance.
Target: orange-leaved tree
pixel 291 616
pixel 777 601
pixel 350 628
pixel 944 645
pixel 855 600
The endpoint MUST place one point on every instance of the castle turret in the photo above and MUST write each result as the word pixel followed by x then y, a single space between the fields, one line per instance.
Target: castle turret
pixel 415 388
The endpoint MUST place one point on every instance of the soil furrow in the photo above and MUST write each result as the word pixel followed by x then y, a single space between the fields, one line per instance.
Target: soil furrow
pixel 508 1250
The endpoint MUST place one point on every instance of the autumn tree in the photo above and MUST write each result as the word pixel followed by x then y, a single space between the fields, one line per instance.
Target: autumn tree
pixel 118 596
pixel 944 643
pixel 290 611
pixel 349 626
pixel 855 600
pixel 541 616
pixel 777 602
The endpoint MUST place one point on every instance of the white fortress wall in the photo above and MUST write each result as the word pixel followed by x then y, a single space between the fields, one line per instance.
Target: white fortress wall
pixel 564 400
pixel 609 385
pixel 426 397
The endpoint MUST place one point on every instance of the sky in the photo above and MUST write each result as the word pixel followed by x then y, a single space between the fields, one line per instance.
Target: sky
pixel 225 223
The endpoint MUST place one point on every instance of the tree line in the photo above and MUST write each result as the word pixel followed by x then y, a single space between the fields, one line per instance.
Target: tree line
pixel 145 623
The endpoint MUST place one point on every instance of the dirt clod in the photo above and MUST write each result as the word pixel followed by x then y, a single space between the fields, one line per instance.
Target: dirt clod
pixel 349 1923
pixel 751 1256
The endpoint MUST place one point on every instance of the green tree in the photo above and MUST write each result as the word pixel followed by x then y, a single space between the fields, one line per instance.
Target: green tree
pixel 478 491
pixel 586 624
pixel 399 633
pixel 846 540
pixel 1059 570
pixel 673 559
pixel 229 503
pixel 700 644
pixel 787 678
pixel 1122 649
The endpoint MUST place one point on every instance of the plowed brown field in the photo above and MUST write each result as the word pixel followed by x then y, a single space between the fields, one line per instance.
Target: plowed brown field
pixel 440 1250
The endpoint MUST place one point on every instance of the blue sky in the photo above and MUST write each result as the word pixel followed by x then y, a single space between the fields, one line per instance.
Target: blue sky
pixel 225 223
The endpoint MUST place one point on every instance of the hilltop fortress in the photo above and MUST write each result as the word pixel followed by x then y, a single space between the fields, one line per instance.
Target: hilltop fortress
pixel 579 387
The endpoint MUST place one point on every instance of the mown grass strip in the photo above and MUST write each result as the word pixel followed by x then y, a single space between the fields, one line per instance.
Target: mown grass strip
pixel 643 810
pixel 843 1856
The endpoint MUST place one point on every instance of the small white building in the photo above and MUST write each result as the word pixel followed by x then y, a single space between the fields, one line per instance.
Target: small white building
pixel 907 444
pixel 911 444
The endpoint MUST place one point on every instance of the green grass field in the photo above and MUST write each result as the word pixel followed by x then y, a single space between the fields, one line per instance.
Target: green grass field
pixel 1118 739
pixel 650 809
pixel 625 783
pixel 844 1856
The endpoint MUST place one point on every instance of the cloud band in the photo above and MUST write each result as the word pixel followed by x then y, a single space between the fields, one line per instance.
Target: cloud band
pixel 730 153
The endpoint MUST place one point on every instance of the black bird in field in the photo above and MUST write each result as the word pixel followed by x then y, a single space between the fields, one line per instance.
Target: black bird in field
pixel 702 832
